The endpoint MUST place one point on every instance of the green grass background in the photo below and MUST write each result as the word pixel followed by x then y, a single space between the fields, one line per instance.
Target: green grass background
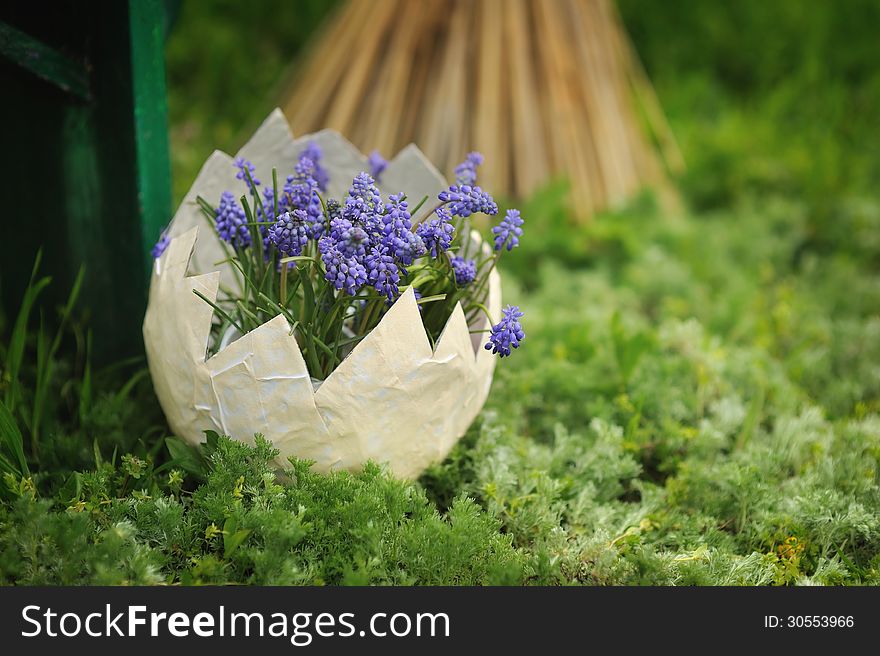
pixel 697 400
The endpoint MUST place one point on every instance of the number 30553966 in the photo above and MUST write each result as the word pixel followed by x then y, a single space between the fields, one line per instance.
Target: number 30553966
pixel 809 621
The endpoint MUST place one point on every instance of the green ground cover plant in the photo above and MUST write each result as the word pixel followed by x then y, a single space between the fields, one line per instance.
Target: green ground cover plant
pixel 706 413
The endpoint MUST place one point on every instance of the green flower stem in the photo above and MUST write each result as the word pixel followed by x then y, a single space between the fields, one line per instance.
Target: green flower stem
pixel 282 284
pixel 219 311
pixel 430 299
pixel 419 206
pixel 206 208
pixel 308 304
pixel 340 303
pixel 280 310
pixel 479 306
pixel 338 335
pixel 256 238
pixel 481 291
pixel 309 351
pixel 275 191
pixel 293 289
pixel 266 279
pixel 374 308
pixel 247 284
pixel 250 315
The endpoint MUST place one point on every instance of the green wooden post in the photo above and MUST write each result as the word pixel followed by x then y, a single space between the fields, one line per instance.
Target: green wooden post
pixel 85 161
pixel 147 27
pixel 43 61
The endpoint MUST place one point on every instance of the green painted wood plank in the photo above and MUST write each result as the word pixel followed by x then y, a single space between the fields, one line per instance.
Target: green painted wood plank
pixel 147 21
pixel 44 62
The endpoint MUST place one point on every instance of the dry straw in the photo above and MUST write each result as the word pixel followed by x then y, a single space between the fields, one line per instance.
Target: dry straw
pixel 544 88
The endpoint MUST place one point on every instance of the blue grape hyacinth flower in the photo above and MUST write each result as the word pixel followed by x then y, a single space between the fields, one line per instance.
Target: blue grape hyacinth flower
pixel 397 233
pixel 465 200
pixel 345 273
pixel 161 245
pixel 300 192
pixel 507 333
pixel 382 272
pixel 363 187
pixel 243 165
pixel 232 222
pixel 508 232
pixel 313 153
pixel 465 270
pixel 378 164
pixel 290 233
pixel 466 172
pixel 437 234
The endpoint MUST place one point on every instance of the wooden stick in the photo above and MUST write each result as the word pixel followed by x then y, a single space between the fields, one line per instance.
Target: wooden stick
pixel 313 88
pixel 529 166
pixel 491 110
pixel 356 77
pixel 570 149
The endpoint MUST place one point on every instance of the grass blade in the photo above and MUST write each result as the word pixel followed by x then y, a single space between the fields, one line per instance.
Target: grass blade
pixel 12 441
pixel 219 311
pixel 419 206
pixel 308 297
pixel 18 339
pixel 85 391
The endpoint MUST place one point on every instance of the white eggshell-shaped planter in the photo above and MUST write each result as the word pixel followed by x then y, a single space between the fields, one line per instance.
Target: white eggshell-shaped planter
pixel 393 399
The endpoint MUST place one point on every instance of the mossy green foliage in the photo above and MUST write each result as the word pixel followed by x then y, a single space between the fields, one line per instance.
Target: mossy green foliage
pixel 697 400
pixel 705 413
pixel 245 524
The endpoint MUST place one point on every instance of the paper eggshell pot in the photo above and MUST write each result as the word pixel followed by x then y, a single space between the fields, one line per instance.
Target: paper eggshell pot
pixel 392 400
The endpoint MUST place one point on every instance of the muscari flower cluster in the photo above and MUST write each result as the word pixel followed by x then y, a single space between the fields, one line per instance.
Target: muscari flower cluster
pixel 508 232
pixel 290 233
pixel 161 245
pixel 365 241
pixel 232 221
pixel 465 270
pixel 245 170
pixel 369 241
pixel 313 153
pixel 466 172
pixel 377 164
pixel 507 333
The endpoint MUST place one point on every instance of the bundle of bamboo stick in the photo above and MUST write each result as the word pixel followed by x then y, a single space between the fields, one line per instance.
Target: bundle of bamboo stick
pixel 543 88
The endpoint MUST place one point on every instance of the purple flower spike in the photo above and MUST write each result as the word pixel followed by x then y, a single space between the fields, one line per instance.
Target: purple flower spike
pixel 349 236
pixel 378 164
pixel 290 233
pixel 416 247
pixel 465 200
pixel 466 172
pixel 300 192
pixel 363 188
pixel 465 270
pixel 232 222
pixel 382 272
pixel 508 232
pixel 160 246
pixel 507 333
pixel 313 153
pixel 437 234
pixel 397 233
pixel 242 164
pixel 346 273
